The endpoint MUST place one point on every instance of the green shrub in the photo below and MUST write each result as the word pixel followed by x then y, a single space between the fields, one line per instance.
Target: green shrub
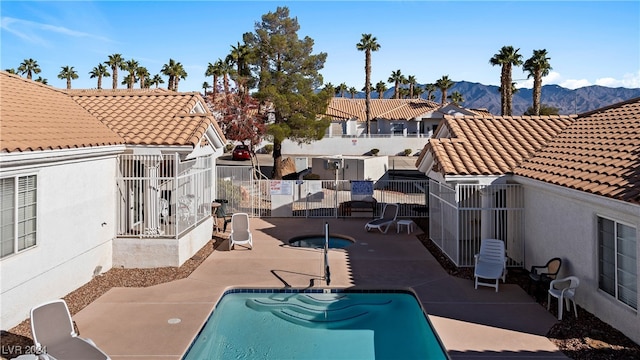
pixel 228 147
pixel 311 176
pixel 268 149
pixel 407 152
pixel 375 151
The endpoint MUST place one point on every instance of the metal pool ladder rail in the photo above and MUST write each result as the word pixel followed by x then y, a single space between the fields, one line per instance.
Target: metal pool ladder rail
pixel 327 272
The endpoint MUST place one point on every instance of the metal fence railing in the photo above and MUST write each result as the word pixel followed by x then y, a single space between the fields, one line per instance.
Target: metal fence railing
pixel 461 215
pixel 162 196
pixel 314 198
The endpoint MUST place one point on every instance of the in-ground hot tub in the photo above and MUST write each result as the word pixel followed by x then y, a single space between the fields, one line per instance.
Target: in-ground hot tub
pixel 316 241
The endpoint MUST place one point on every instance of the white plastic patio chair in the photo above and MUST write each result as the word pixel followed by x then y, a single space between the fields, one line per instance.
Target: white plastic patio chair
pixel 490 263
pixel 52 330
pixel 563 289
pixel 388 217
pixel 240 231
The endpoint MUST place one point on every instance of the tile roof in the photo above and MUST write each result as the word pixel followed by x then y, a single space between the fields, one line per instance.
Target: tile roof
pixel 599 153
pixel 493 145
pixel 391 109
pixel 149 117
pixel 34 116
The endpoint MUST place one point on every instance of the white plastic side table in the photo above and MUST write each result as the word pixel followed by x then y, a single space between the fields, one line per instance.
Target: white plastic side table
pixel 407 223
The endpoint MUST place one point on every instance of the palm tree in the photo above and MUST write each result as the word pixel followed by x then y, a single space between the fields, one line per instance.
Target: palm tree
pixel 69 74
pixel 444 84
pixel 368 43
pixel 205 86
pixel 411 80
pixel 156 80
pixel 381 87
pixel 130 66
pixel 507 58
pixel 214 70
pixel 225 70
pixel 396 78
pixel 456 98
pixel 538 66
pixel 143 75
pixel 29 67
pixel 239 56
pixel 342 88
pixel 99 72
pixel 430 88
pixel 352 92
pixel 42 80
pixel 115 62
pixel 418 91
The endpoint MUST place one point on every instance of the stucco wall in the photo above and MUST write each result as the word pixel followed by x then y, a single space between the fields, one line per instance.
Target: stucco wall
pixel 391 146
pixel 563 222
pixel 75 226
pixel 151 253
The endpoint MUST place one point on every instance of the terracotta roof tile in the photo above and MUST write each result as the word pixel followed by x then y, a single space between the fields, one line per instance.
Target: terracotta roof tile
pixel 149 117
pixel 491 145
pixel 599 153
pixel 391 109
pixel 34 117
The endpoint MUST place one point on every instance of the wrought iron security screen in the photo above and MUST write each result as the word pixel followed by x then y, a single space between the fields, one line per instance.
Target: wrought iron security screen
pixel 162 196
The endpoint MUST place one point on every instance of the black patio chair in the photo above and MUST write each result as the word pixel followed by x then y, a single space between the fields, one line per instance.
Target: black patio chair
pixel 541 276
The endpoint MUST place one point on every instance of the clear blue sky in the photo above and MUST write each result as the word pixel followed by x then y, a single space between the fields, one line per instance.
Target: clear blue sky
pixel 589 42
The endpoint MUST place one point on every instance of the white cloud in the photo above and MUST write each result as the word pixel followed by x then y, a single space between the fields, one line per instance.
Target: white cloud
pixel 27 30
pixel 629 80
pixel 574 84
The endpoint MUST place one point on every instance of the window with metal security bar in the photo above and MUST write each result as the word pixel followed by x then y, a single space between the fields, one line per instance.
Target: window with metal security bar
pixel 18 208
pixel 618 266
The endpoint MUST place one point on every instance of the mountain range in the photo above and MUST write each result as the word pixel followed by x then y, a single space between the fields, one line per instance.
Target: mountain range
pixel 479 96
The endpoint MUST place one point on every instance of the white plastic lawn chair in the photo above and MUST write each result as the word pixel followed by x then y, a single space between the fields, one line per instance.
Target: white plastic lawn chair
pixel 240 232
pixel 563 289
pixel 52 330
pixel 388 217
pixel 490 263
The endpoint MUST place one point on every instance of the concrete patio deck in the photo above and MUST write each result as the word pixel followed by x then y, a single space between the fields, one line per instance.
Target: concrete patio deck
pixel 134 323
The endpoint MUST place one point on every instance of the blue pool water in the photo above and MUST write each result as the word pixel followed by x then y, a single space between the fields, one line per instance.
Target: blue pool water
pixel 317 241
pixel 311 324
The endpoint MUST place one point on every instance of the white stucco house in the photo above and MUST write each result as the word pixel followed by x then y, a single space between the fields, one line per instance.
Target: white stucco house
pixel 577 188
pixel 63 160
pixel 396 125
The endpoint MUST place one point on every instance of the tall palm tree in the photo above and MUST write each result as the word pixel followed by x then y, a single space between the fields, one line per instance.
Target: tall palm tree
pixel 215 70
pixel 143 75
pixel 352 91
pixel 411 80
pixel 430 88
pixel 368 43
pixel 506 58
pixel 131 66
pixel 29 67
pixel 418 91
pixel 69 74
pixel 396 78
pixel 456 98
pixel 538 66
pixel 381 87
pixel 444 84
pixel 156 80
pixel 115 62
pixel 239 57
pixel 99 72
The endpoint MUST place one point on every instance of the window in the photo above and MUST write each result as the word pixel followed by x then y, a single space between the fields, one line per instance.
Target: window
pixel 17 214
pixel 618 266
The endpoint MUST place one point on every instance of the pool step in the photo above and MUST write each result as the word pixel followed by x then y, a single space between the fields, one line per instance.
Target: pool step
pixel 317 309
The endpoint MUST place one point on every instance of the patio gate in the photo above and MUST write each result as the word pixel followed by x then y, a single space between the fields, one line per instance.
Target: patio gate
pixel 462 215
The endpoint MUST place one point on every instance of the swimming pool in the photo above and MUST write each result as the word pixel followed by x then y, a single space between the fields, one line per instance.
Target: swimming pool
pixel 317 324
pixel 336 241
